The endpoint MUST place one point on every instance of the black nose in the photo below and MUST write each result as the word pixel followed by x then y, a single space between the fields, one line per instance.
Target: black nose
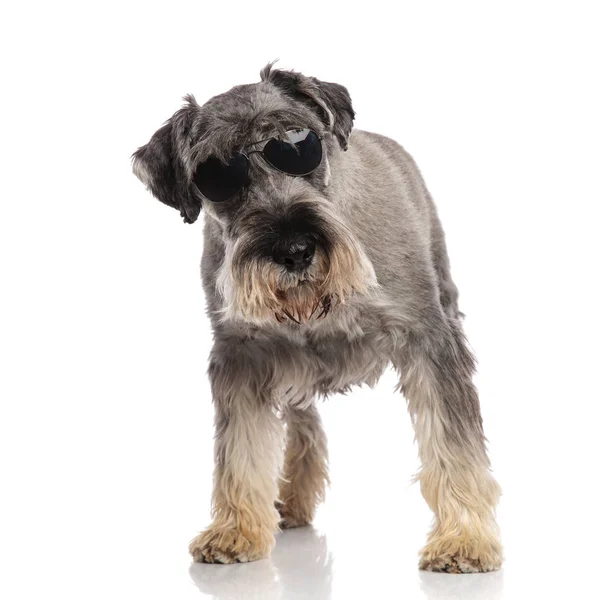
pixel 295 254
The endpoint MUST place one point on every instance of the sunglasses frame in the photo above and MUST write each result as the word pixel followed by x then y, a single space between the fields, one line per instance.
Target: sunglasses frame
pixel 246 155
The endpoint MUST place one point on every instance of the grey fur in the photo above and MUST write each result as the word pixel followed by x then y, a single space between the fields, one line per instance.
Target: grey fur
pixel 368 188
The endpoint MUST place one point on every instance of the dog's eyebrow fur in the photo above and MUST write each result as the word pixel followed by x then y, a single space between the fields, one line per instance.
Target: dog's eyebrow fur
pixel 221 136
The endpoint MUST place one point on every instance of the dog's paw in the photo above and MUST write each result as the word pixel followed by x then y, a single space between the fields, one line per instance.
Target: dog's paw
pixel 457 564
pixel 226 546
pixel 460 556
pixel 291 518
pixel 289 522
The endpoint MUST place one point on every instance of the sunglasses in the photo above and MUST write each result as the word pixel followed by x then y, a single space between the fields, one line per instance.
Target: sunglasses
pixel 299 153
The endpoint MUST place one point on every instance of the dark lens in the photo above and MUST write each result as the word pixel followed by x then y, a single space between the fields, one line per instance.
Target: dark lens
pixel 299 153
pixel 219 182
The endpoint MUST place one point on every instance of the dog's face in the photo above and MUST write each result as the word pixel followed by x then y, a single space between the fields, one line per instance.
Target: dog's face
pixel 287 254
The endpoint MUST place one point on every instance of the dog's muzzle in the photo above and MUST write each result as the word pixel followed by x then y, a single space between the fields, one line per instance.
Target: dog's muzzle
pixel 297 266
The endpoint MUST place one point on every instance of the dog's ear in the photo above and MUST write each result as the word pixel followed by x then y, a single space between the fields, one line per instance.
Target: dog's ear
pixel 331 100
pixel 159 166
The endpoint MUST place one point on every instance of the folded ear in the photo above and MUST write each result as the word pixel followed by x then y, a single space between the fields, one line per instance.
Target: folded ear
pixel 159 166
pixel 330 100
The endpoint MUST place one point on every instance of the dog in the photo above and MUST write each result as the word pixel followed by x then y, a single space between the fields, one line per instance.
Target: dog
pixel 324 262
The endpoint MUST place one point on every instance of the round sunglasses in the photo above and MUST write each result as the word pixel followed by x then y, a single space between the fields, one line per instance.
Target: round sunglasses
pixel 299 153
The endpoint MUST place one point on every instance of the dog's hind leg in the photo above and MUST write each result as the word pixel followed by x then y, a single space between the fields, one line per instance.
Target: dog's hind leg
pixel 305 473
pixel 436 376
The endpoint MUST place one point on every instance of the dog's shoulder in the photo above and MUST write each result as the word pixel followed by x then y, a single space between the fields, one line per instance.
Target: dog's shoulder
pixel 375 141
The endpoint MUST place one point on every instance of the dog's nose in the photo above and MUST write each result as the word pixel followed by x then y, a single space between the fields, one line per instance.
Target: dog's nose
pixel 296 254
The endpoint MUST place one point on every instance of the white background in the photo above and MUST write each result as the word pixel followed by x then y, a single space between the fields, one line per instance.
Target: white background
pixel 106 418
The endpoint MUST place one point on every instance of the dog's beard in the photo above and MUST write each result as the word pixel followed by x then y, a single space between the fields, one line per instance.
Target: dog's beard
pixel 257 290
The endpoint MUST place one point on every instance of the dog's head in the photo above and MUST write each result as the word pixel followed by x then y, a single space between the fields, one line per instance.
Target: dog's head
pixel 287 252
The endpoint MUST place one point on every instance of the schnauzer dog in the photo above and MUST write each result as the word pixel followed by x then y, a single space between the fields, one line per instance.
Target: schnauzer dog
pixel 324 262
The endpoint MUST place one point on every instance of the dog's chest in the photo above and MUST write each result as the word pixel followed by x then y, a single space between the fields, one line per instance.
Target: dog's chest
pixel 346 349
pixel 343 364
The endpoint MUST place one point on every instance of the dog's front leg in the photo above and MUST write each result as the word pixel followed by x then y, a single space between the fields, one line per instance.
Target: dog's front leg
pixel 436 375
pixel 248 449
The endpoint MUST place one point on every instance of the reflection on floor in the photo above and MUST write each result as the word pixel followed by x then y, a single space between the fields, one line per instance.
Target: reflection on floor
pixel 301 567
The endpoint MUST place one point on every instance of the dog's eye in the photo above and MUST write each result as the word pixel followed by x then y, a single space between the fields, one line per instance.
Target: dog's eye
pixel 299 153
pixel 219 182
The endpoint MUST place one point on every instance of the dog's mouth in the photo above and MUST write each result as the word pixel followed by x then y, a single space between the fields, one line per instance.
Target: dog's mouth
pixel 302 312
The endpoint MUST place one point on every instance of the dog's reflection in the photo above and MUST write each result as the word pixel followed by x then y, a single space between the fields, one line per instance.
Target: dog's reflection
pixel 300 567
pixel 471 586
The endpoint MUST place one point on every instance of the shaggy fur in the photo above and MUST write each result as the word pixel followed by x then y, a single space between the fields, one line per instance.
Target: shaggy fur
pixel 377 292
pixel 305 474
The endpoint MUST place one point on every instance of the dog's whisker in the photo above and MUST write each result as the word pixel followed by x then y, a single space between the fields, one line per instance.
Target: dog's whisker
pixel 314 309
pixel 290 316
pixel 325 306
